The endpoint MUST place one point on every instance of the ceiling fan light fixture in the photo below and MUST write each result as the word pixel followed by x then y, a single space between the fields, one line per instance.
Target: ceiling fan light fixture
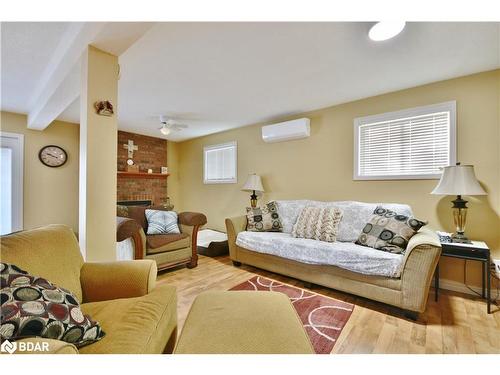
pixel 385 30
pixel 164 130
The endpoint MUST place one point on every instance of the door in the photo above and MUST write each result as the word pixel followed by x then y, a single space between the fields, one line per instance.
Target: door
pixel 11 182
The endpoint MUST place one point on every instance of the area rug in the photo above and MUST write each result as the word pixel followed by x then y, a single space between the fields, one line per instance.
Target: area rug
pixel 322 317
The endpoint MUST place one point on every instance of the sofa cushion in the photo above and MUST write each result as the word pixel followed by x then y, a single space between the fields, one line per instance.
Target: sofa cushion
pixel 346 255
pixel 354 215
pixel 165 242
pixel 134 325
pixel 34 307
pixel 138 214
pixel 318 223
pixel 162 222
pixel 389 231
pixel 264 219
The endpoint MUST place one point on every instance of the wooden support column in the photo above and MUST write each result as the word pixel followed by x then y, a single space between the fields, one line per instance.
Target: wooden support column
pixel 98 153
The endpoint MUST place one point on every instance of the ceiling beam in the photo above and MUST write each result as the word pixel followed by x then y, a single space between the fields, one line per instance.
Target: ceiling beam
pixel 59 85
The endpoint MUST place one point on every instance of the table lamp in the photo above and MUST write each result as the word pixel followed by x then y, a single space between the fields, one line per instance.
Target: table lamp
pixel 459 180
pixel 253 184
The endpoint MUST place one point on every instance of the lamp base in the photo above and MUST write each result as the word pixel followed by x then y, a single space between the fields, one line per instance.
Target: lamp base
pixel 460 238
pixel 459 217
pixel 253 200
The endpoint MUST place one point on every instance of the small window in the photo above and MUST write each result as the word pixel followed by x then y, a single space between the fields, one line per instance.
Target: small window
pixel 220 164
pixel 410 144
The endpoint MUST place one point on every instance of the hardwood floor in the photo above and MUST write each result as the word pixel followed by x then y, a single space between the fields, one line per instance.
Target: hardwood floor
pixel 456 324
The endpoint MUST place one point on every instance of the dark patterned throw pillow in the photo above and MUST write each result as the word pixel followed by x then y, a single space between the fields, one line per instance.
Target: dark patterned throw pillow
pixel 389 231
pixel 34 307
pixel 264 219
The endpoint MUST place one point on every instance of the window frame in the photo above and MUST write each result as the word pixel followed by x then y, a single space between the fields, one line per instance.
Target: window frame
pixel 17 180
pixel 215 147
pixel 449 106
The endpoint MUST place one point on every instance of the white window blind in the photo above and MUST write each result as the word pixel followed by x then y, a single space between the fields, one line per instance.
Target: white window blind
pixel 220 163
pixel 409 144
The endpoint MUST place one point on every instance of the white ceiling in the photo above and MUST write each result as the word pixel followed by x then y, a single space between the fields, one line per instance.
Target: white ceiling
pixel 218 76
pixel 26 50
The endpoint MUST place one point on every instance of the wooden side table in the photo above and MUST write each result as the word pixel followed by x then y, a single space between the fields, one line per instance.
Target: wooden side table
pixel 477 251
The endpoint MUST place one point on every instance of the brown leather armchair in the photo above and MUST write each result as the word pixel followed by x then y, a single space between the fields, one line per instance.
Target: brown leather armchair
pixel 168 250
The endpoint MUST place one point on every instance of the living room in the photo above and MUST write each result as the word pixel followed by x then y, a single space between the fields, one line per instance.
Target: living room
pixel 325 187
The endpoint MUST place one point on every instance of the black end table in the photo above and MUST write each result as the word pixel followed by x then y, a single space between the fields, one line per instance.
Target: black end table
pixel 477 251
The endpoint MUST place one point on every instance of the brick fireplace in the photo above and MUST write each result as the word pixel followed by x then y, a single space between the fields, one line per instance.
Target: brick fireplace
pixel 151 153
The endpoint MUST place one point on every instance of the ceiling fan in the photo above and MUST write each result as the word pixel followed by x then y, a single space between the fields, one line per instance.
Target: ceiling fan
pixel 169 124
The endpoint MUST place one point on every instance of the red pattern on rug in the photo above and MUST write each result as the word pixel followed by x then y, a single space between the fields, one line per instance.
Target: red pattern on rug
pixel 322 317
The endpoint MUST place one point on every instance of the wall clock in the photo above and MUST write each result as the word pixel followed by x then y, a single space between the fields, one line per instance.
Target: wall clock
pixel 53 156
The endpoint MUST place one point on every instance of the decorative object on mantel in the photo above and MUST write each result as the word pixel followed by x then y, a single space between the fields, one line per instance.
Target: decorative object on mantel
pixel 104 108
pixel 131 167
pixel 164 170
pixel 150 171
pixel 167 205
pixel 254 185
pixel 459 180
pixel 130 148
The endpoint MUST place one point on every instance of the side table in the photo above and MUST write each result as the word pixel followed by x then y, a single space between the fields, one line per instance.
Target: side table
pixel 477 251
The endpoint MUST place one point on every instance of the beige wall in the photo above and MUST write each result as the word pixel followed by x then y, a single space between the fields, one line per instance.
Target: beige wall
pixel 321 166
pixel 50 194
pixel 173 187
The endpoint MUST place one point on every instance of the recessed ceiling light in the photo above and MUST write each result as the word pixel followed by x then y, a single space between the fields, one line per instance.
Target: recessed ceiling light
pixel 384 30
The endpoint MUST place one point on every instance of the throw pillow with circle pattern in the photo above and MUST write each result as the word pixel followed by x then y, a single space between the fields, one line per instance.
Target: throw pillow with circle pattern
pixel 34 307
pixel 389 231
pixel 264 219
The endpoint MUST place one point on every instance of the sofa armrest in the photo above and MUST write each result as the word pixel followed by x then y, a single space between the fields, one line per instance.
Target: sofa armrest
pixel 234 225
pixel 47 346
pixel 102 281
pixel 421 258
pixel 192 219
pixel 129 228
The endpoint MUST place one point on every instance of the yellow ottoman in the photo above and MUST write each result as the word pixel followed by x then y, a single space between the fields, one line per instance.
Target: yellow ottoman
pixel 243 322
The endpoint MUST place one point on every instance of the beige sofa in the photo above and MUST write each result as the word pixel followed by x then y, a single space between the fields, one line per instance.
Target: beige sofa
pixel 408 291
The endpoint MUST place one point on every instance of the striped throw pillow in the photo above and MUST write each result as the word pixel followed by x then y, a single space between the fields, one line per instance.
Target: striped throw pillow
pixel 162 222
pixel 318 223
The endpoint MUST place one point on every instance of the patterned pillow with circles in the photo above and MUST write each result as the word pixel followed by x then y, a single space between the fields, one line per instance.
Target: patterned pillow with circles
pixel 162 222
pixel 34 307
pixel 389 231
pixel 318 223
pixel 264 219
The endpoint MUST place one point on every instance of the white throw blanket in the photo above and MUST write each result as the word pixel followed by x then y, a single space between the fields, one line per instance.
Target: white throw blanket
pixel 345 255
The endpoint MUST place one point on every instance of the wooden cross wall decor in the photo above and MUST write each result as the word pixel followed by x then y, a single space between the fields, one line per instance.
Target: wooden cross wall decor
pixel 130 148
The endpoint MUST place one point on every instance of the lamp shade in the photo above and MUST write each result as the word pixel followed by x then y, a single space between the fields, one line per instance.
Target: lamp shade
pixel 458 180
pixel 253 183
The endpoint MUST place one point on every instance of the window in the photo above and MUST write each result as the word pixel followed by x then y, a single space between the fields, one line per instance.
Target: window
pixel 408 144
pixel 220 164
